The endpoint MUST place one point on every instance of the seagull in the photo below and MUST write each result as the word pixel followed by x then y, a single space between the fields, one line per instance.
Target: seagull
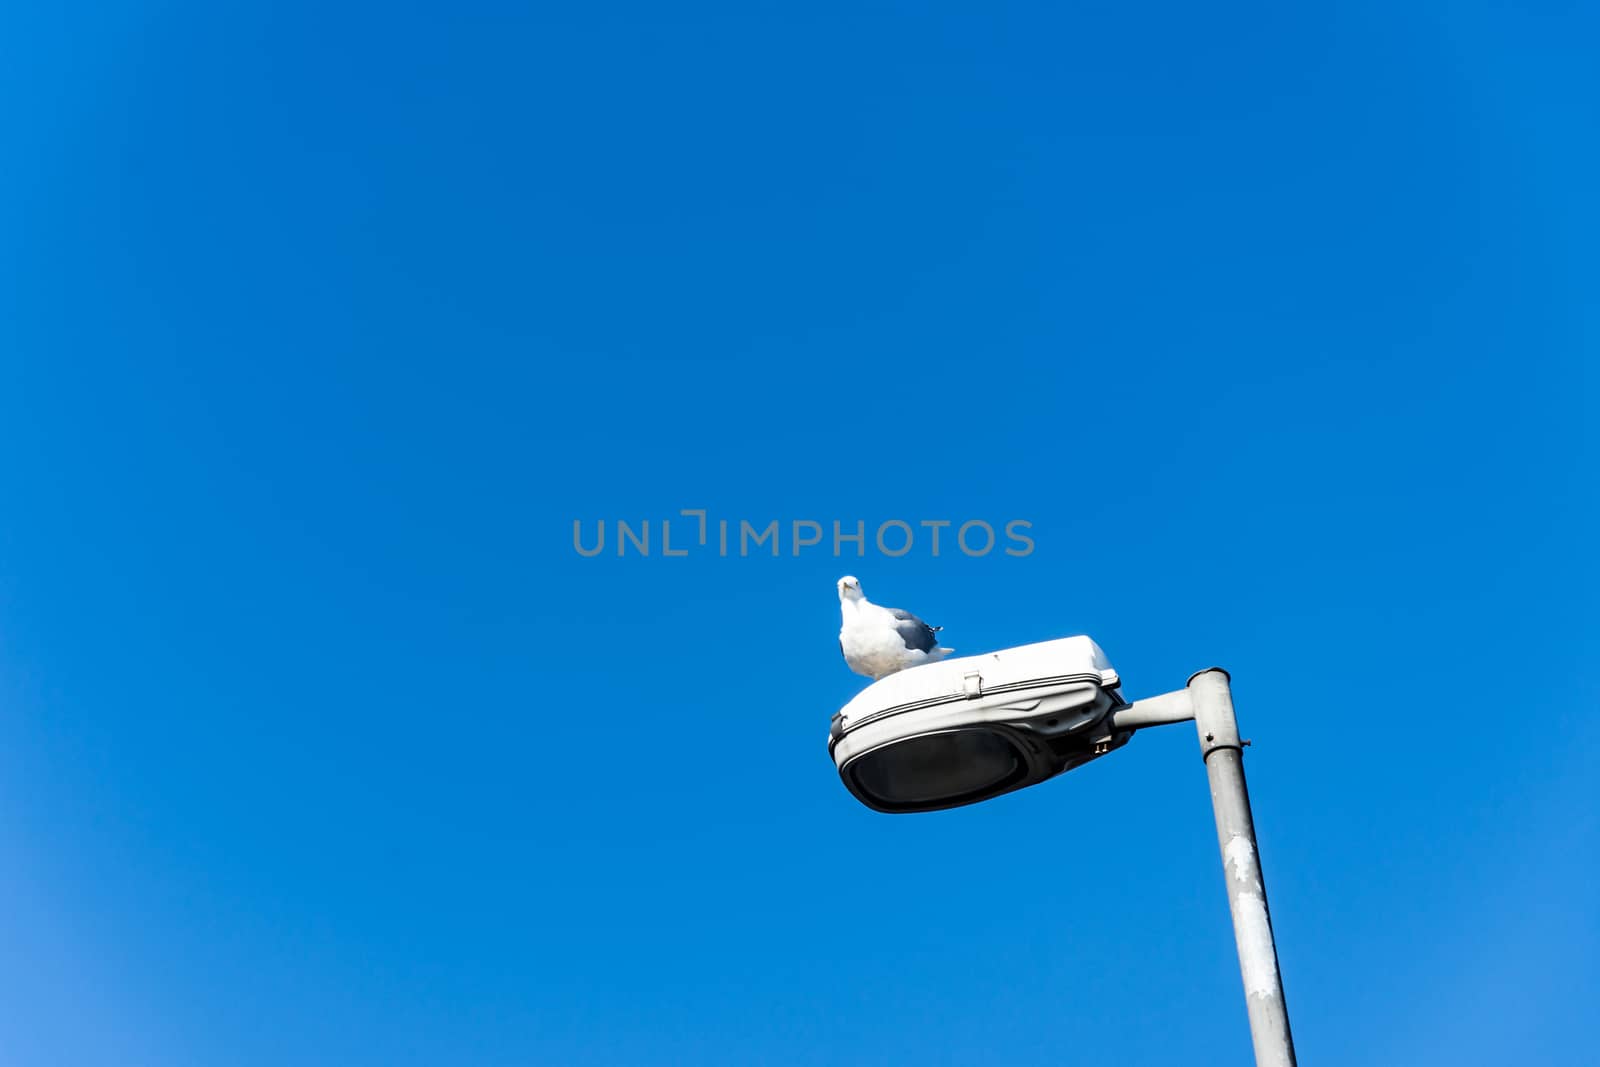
pixel 878 641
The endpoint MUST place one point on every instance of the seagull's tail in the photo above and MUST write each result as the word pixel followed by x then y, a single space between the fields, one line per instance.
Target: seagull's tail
pixel 943 652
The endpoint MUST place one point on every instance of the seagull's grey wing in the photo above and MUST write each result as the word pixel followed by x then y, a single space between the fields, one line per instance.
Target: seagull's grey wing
pixel 913 631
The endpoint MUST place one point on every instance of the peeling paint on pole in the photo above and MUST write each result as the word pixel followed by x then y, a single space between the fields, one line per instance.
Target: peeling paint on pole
pixel 1258 959
pixel 1239 858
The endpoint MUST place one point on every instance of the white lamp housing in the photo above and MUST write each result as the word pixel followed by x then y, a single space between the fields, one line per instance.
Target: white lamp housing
pixel 964 730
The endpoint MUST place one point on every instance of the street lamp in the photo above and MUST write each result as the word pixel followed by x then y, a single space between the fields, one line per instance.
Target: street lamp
pixel 964 730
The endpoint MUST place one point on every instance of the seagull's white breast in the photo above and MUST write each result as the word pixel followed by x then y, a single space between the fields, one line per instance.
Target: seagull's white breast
pixel 872 645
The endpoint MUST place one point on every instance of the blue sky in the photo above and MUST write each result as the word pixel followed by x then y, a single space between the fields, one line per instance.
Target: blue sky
pixel 319 744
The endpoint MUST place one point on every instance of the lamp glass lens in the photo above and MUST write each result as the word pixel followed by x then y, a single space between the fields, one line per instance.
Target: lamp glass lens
pixel 937 767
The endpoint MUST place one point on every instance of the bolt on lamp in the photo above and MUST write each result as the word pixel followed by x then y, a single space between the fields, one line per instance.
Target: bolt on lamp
pixel 965 730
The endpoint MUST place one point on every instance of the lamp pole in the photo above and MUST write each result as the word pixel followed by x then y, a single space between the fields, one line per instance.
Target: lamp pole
pixel 1214 720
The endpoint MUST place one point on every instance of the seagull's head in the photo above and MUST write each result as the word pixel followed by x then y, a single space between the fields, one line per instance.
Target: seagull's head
pixel 850 588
